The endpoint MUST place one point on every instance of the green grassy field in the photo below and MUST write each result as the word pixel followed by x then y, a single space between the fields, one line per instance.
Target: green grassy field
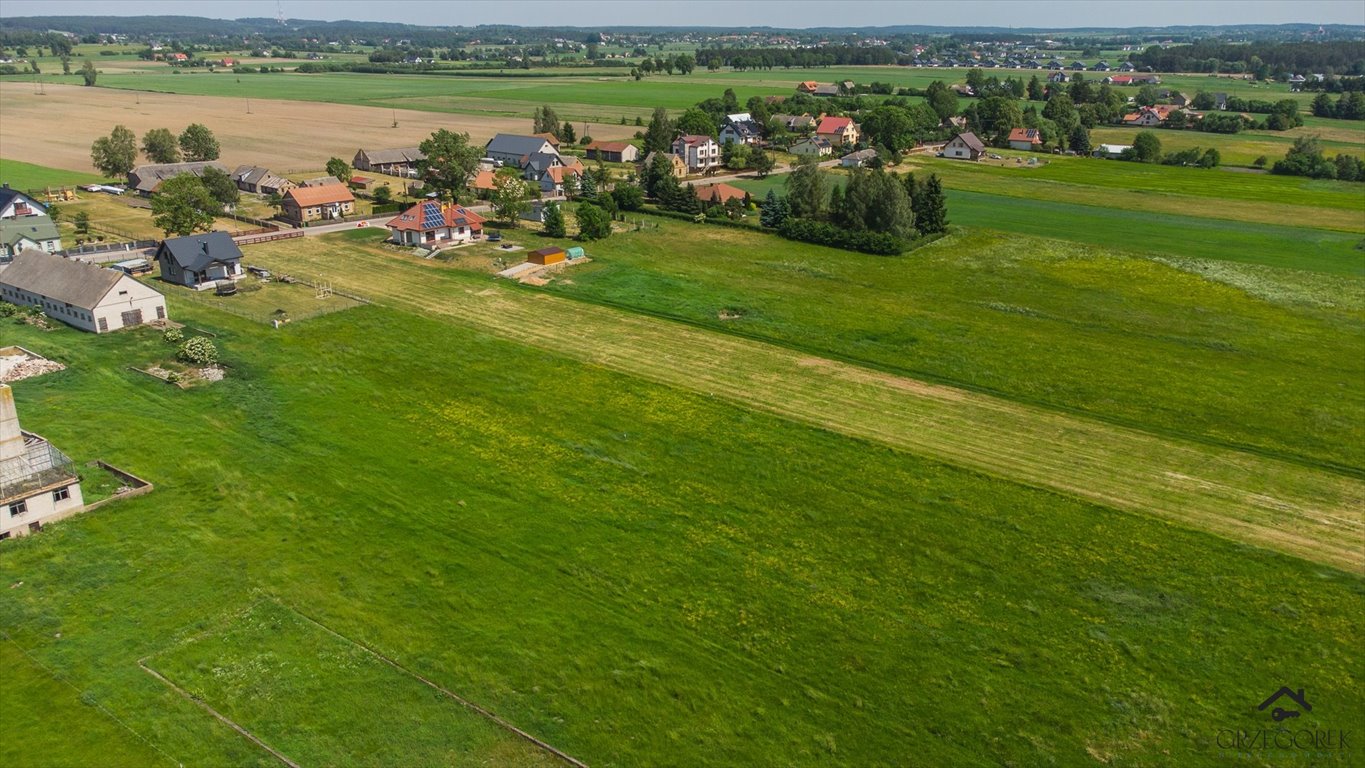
pixel 637 575
pixel 21 175
pixel 1137 230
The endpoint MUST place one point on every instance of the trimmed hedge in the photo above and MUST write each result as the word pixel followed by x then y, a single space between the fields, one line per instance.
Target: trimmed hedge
pixel 820 233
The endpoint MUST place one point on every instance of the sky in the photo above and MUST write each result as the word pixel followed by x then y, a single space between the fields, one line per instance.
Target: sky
pixel 1052 14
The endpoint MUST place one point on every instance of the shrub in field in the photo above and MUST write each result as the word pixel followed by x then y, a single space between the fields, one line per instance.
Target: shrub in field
pixel 820 233
pixel 198 350
pixel 173 336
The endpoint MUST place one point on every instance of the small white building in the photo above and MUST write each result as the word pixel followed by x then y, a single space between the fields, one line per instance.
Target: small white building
pixel 38 483
pixel 815 145
pixel 82 295
pixel 964 146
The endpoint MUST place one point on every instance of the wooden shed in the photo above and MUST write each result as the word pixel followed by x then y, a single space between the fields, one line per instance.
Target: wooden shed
pixel 551 255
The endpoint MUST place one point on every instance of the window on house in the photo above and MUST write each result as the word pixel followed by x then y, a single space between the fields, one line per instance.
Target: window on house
pixel 61 494
pixel 18 508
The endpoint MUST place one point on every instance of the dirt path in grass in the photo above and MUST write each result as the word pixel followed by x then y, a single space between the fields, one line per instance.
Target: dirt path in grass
pixel 1299 510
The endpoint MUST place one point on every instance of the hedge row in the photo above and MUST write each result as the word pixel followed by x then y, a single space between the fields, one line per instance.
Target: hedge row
pixel 820 233
pixel 718 219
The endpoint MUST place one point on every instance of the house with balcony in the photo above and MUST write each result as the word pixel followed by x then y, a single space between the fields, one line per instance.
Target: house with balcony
pixel 700 153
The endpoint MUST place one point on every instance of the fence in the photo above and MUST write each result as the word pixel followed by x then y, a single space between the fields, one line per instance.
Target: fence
pixel 252 239
pixel 88 249
pixel 262 224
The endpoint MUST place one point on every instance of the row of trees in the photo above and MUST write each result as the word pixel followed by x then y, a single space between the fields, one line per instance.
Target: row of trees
pixel 1306 158
pixel 116 154
pixel 1349 106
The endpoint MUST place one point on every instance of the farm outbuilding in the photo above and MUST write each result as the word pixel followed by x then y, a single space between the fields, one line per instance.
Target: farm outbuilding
pixel 551 255
pixel 79 294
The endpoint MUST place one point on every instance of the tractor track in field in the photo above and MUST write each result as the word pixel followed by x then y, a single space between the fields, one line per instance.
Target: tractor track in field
pixel 1301 510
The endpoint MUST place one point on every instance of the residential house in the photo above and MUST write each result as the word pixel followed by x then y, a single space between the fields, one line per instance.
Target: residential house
pixel 1127 66
pixel 484 184
pixel 807 86
pixel 30 232
pixel 550 137
pixel 826 90
pixel 676 164
pixel 858 159
pixel 536 164
pixel 1058 77
pixel 815 145
pixel 321 181
pixel 1025 139
pixel 964 146
pixel 839 131
pixel 1077 66
pixel 78 293
pixel 147 178
pixel 613 151
pixel 199 261
pixel 16 204
pixel 701 153
pixel 431 224
pixel 1179 100
pixel 514 149
pixel 718 194
pixel 400 162
pixel 803 123
pixel 1220 100
pixel 551 180
pixel 254 178
pixel 1150 116
pixel 38 483
pixel 1101 66
pixel 742 128
pixel 331 201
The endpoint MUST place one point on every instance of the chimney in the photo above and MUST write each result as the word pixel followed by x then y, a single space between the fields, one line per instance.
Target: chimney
pixel 11 439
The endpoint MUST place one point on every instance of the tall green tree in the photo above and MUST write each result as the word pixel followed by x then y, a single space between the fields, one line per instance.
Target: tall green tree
pixel 66 64
pixel 762 163
pixel 509 199
pixel 554 220
pixel 774 210
pixel 593 222
pixel 874 201
pixel 659 134
pixel 1035 89
pixel 450 162
pixel 695 122
pixel 339 169
pixel 183 206
pixel 89 74
pixel 160 146
pixel 221 186
pixel 930 207
pixel 115 154
pixel 566 133
pixel 941 99
pixel 1079 140
pixel 198 143
pixel 807 189
pixel 544 120
pixel 1146 147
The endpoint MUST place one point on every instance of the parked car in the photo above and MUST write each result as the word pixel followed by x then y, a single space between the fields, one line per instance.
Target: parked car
pixel 260 272
pixel 494 236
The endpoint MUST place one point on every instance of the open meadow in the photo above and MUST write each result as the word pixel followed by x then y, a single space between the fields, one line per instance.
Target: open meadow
pixel 636 573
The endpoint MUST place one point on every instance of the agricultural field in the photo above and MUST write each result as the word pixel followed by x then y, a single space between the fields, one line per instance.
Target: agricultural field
pixel 716 617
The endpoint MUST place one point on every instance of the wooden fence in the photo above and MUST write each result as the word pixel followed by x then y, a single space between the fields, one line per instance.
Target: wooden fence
pixel 267 237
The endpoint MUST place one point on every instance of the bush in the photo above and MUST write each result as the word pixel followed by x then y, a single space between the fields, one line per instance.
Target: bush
pixel 173 336
pixel 820 233
pixel 7 309
pixel 198 350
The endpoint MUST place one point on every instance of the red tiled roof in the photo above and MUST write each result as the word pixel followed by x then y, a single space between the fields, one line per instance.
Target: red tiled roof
pixel 306 197
pixel 833 124
pixel 556 173
pixel 483 180
pixel 452 216
pixel 718 193
pixel 1026 134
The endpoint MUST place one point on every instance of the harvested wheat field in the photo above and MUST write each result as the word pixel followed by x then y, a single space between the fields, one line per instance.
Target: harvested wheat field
pixel 284 135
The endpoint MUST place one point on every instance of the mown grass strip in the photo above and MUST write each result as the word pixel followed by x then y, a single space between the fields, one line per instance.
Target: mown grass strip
pixel 1295 509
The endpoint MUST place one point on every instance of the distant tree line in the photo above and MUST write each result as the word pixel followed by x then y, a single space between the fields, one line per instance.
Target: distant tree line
pixel 786 58
pixel 1264 60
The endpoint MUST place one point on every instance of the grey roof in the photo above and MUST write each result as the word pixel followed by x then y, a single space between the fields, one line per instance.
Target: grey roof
pixel 514 144
pixel 146 178
pixel 195 252
pixel 35 228
pixel 65 280
pixel 322 181
pixel 539 161
pixel 972 141
pixel 249 174
pixel 389 156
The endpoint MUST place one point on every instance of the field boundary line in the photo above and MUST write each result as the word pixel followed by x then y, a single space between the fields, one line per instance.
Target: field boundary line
pixel 81 697
pixel 571 760
pixel 220 716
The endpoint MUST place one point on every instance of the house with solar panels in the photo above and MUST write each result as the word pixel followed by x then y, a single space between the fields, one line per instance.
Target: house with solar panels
pixel 432 224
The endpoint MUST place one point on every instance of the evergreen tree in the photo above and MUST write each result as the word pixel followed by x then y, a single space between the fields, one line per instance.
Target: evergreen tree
pixel 930 207
pixel 588 186
pixel 659 134
pixel 807 189
pixel 566 133
pixel 554 220
pixel 1079 141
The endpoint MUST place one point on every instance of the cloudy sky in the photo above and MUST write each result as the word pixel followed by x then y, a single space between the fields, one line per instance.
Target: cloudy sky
pixel 728 13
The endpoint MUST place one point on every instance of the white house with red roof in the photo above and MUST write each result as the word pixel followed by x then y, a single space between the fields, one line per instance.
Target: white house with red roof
pixel 839 131
pixel 431 224
pixel 699 152
pixel 1026 139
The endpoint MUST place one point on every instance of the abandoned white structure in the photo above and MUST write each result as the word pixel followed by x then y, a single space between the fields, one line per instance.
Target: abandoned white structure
pixel 38 483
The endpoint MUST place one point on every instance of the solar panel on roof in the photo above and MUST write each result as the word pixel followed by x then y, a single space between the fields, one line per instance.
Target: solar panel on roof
pixel 432 216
